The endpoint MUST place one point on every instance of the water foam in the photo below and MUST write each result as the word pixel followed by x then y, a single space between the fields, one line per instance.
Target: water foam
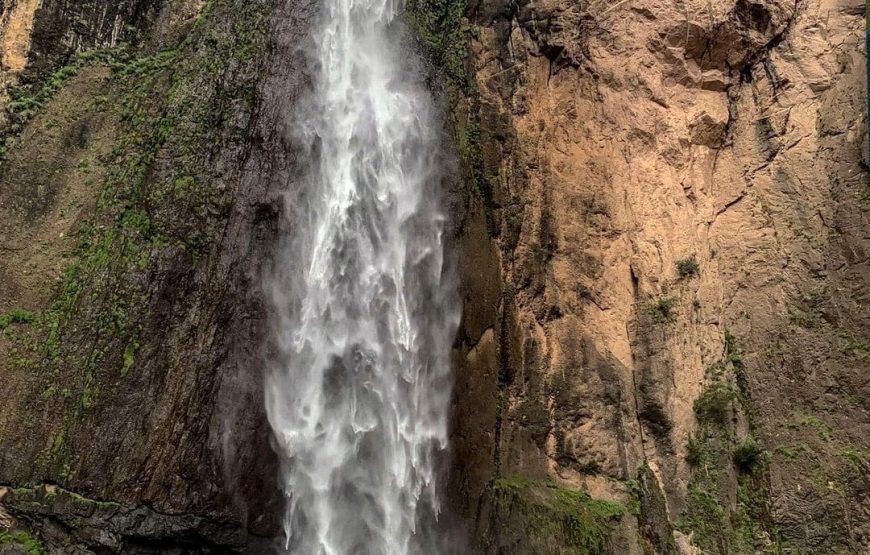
pixel 359 386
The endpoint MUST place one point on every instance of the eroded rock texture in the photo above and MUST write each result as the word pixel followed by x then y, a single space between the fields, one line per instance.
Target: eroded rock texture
pixel 659 221
pixel 677 198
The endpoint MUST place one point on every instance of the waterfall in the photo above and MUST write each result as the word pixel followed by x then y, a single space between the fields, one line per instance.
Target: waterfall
pixel 358 388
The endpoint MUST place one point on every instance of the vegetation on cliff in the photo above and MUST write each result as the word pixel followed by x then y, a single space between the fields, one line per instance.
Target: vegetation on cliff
pixel 444 33
pixel 140 134
pixel 726 457
pixel 541 517
pixel 173 109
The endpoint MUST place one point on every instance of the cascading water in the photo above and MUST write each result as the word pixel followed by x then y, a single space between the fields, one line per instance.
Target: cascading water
pixel 359 388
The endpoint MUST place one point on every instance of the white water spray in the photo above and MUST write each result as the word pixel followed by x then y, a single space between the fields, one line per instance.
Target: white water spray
pixel 359 388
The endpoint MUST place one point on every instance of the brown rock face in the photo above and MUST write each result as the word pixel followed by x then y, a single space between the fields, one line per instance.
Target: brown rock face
pixel 665 175
pixel 17 25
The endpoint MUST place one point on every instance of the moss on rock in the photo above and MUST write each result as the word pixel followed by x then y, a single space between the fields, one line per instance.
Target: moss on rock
pixel 18 541
pixel 541 517
pixel 174 110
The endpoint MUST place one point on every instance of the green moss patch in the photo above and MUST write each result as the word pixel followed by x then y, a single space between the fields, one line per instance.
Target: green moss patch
pixel 16 316
pixel 26 101
pixel 548 518
pixel 22 540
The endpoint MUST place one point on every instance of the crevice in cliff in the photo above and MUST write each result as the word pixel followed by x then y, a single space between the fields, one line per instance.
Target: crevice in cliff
pixel 635 287
pixel 503 376
pixel 744 70
pixel 653 515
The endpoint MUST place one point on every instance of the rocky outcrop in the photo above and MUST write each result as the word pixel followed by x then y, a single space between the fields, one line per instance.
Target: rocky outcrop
pixel 658 217
pixel 71 523
pixel 17 27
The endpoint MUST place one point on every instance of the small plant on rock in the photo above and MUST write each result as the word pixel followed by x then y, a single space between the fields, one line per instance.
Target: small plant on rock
pixel 714 405
pixel 688 268
pixel 749 456
pixel 694 451
pixel 662 310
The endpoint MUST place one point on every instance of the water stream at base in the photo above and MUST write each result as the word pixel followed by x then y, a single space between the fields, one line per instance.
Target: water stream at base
pixel 359 386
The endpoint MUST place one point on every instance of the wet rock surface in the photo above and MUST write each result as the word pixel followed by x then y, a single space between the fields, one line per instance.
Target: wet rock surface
pixel 136 376
pixel 69 523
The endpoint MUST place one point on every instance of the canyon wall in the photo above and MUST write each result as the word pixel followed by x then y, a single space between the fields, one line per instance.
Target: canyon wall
pixel 659 221
pixel 676 272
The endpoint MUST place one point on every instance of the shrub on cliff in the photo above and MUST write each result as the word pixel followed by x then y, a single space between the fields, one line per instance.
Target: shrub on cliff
pixel 749 456
pixel 662 310
pixel 688 268
pixel 714 405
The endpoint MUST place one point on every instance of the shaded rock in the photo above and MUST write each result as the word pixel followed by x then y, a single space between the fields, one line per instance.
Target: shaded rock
pixel 709 129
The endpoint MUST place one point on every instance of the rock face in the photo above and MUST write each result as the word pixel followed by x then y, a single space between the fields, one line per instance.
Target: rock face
pixel 660 218
pixel 139 205
pixel 678 207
